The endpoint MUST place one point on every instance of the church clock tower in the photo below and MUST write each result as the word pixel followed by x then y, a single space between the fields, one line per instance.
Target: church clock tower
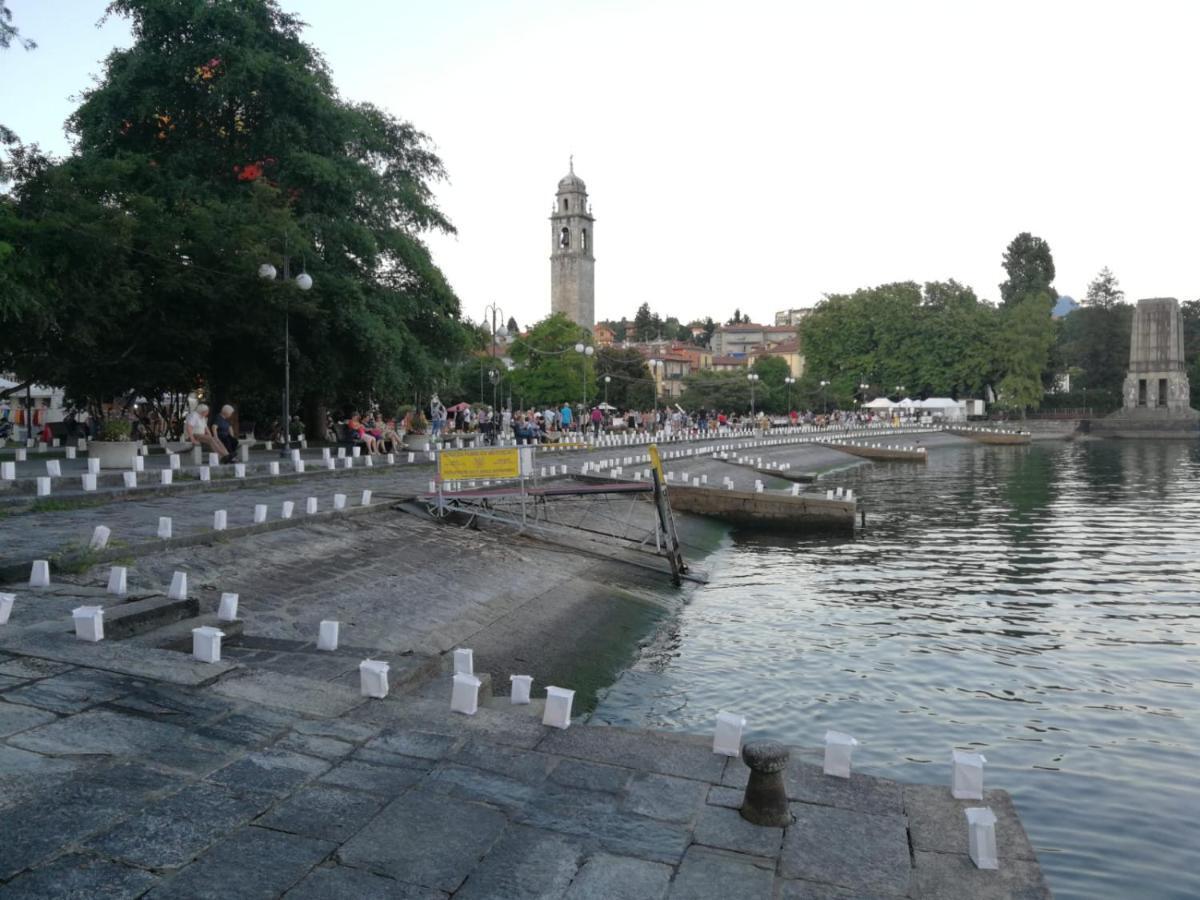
pixel 572 265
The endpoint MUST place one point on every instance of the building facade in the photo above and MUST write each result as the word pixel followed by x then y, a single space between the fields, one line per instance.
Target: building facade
pixel 572 258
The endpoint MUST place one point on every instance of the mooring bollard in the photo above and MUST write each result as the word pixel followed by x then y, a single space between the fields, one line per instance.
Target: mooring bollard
pixel 765 801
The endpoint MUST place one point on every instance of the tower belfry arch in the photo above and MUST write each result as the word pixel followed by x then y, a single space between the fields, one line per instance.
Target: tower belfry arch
pixel 572 254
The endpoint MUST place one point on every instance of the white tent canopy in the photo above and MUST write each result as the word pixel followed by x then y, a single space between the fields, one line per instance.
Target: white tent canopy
pixel 879 403
pixel 36 390
pixel 908 403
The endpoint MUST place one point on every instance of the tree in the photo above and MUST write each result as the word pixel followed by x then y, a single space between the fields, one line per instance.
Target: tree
pixel 935 341
pixel 642 323
pixel 1030 269
pixel 9 34
pixel 1104 292
pixel 705 339
pixel 549 370
pixel 738 318
pixel 620 332
pixel 1024 349
pixel 632 386
pixel 513 328
pixel 215 143
pixel 722 391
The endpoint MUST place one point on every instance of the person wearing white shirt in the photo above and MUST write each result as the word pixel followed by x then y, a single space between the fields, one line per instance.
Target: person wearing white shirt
pixel 195 431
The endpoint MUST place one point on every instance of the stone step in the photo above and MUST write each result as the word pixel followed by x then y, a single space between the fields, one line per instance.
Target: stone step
pixel 178 635
pixel 125 620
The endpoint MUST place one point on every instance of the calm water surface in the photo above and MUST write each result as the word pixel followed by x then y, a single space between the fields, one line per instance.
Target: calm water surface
pixel 1039 603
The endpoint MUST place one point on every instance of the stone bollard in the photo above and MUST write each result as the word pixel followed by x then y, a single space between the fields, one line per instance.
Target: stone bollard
pixel 765 801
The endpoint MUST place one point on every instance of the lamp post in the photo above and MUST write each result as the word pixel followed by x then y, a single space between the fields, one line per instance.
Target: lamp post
pixel 654 365
pixel 304 282
pixel 499 333
pixel 584 352
pixel 824 405
pixel 789 381
pixel 900 389
pixel 607 379
pixel 753 379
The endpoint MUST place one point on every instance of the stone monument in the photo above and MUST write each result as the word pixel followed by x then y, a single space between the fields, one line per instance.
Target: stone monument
pixel 572 263
pixel 1156 392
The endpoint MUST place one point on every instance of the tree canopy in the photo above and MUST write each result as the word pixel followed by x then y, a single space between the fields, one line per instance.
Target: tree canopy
pixel 1030 269
pixel 215 143
pixel 548 369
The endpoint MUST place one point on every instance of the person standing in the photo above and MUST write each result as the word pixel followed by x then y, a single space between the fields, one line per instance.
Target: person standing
pixel 597 418
pixel 565 416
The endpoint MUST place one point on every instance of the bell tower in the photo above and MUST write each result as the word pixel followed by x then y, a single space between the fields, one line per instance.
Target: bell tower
pixel 572 265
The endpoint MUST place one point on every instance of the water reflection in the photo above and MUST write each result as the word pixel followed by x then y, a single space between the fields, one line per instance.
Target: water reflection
pixel 1039 602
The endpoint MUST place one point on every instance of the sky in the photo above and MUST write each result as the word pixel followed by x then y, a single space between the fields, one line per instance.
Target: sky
pixel 753 155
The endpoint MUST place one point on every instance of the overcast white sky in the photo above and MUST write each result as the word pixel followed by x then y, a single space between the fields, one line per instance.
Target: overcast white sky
pixel 755 154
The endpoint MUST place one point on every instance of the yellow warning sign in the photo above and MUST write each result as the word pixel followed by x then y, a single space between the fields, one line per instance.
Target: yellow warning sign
pixel 496 462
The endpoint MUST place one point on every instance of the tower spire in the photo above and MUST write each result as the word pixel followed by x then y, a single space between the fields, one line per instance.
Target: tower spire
pixel 572 163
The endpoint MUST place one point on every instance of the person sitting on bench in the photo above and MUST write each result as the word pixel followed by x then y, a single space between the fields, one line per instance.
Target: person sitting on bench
pixel 223 432
pixel 195 431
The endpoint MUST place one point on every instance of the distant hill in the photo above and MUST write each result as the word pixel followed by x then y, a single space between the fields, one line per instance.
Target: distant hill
pixel 1063 306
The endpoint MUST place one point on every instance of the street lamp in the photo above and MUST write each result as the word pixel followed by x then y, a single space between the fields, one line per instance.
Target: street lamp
pixel 304 282
pixel 499 333
pixel 789 381
pixel 753 379
pixel 900 389
pixel 824 405
pixel 585 351
pixel 654 365
pixel 607 379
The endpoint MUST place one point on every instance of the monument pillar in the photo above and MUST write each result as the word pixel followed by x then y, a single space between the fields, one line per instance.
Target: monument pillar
pixel 1156 393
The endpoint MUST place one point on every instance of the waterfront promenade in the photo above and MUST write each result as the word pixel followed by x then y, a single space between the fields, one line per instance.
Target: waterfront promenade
pixel 129 769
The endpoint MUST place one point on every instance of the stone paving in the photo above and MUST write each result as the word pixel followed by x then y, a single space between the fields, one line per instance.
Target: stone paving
pixel 134 789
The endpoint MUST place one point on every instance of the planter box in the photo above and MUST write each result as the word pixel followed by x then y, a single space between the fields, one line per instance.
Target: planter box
pixel 114 454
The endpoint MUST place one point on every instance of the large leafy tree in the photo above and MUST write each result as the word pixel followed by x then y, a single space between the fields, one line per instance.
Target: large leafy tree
pixel 1030 269
pixel 9 35
pixel 548 369
pixel 938 339
pixel 631 385
pixel 215 143
pixel 1026 336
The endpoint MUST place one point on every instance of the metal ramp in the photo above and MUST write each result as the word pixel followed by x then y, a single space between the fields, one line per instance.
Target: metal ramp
pixel 609 513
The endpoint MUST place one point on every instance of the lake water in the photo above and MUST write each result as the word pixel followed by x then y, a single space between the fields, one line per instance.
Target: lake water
pixel 1040 604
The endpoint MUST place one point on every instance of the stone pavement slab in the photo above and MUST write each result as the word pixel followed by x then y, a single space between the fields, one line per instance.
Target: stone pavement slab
pixel 287 692
pixel 323 811
pixel 122 658
pixel 677 755
pixel 70 692
pixel 856 850
pixel 807 890
pixel 77 876
pixel 937 821
pixel 100 732
pixel 15 717
pixel 952 876
pixel 664 797
pixel 72 809
pixel 725 829
pixel 575 773
pixel 383 781
pixel 344 883
pixel 621 833
pixel 426 839
pixel 712 875
pixel 608 877
pixel 276 772
pixel 250 864
pixel 526 864
pixel 171 832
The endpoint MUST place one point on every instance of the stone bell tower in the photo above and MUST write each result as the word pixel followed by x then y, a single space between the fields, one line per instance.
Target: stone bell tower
pixel 572 265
